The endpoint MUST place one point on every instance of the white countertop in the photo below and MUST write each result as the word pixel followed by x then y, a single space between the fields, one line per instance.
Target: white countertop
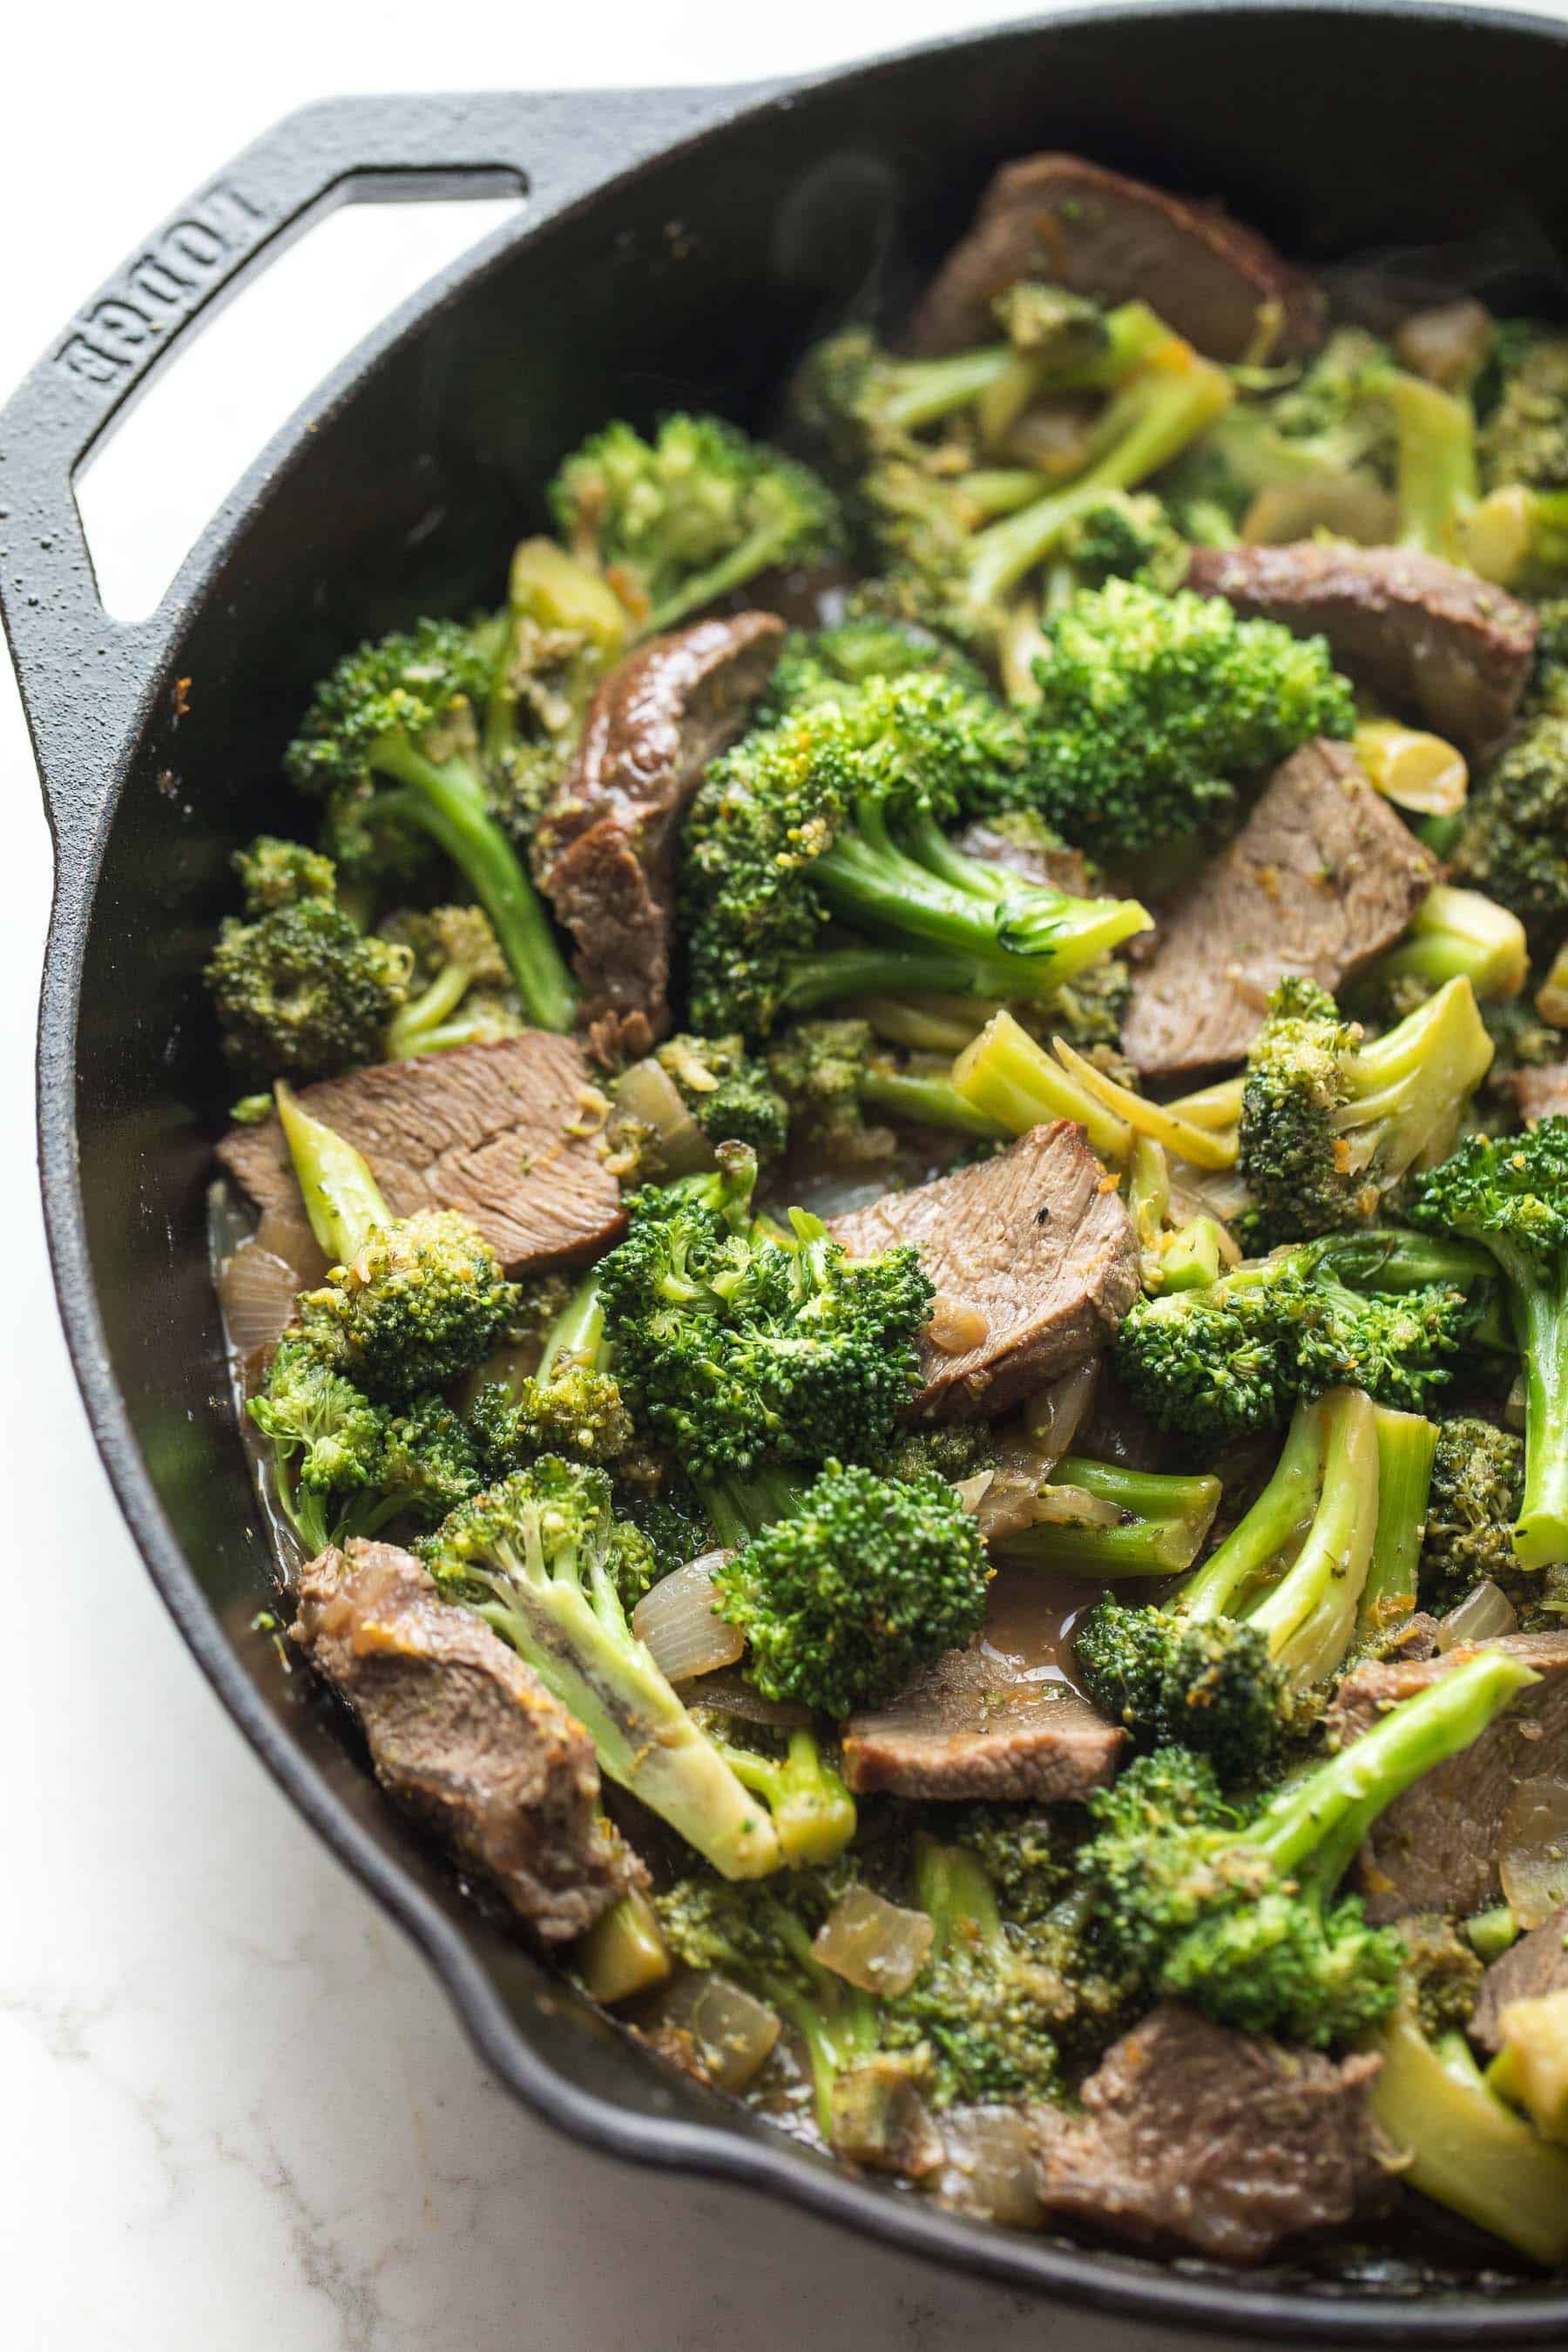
pixel 238 2113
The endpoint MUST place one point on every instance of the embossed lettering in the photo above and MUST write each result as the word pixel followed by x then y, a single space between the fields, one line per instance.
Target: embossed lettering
pixel 128 323
pixel 80 358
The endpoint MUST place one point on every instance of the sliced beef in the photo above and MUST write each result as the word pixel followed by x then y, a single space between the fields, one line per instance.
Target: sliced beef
pixel 1062 869
pixel 969 1728
pixel 605 854
pixel 1322 877
pixel 503 1132
pixel 465 1734
pixel 1541 1094
pixel 1036 1241
pixel 1075 224
pixel 1436 1848
pixel 1425 636
pixel 1528 1970
pixel 1193 2135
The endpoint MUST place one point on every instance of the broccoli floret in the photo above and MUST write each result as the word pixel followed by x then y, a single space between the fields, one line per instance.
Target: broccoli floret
pixel 1220 1666
pixel 298 990
pixel 1331 1121
pixel 867 1580
pixel 821 665
pixel 858 403
pixel 1513 845
pixel 561 627
pixel 1511 1195
pixel 837 814
pixel 1525 435
pixel 1226 1359
pixel 738 1342
pixel 1153 708
pixel 545 1561
pixel 462 987
pixel 808 1804
pixel 832 1073
pixel 1441 1973
pixel 981 2008
pixel 727 1093
pixel 954 1449
pixel 700 510
pixel 570 1403
pixel 1239 1917
pixel 391 741
pixel 1477 1485
pixel 410 1302
pixel 1127 535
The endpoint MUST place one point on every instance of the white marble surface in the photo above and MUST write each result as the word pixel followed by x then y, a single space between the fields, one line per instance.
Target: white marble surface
pixel 238 2112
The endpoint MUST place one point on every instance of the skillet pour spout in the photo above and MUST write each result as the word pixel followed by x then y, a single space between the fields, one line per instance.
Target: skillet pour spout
pixel 676 248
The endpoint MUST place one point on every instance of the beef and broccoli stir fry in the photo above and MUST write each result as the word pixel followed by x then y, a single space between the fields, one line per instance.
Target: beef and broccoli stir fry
pixel 909 1328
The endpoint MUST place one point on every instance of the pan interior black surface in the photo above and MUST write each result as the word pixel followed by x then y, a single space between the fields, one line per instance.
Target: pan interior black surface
pixel 691 279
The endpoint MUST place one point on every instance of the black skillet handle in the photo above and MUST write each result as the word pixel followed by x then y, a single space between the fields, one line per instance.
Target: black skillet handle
pixel 85 678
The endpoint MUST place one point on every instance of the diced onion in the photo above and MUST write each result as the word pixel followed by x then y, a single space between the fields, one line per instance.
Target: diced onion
pixel 677 1621
pixel 1074 1506
pixel 972 1492
pixel 872 1943
pixel 990 2167
pixel 257 1292
pixel 1008 1503
pixel 1533 1860
pixel 1446 344
pixel 286 1234
pixel 1481 1616
pixel 647 1092
pixel 1054 1418
pixel 732 2034
pixel 956 1325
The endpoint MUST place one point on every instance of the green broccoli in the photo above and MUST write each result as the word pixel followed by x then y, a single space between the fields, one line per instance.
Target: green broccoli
pixel 832 1073
pixel 980 2010
pixel 689 1096
pixel 1331 1121
pixel 298 990
pixel 867 1580
pixel 808 1804
pixel 463 988
pixel 570 1403
pixel 391 739
pixel 837 814
pixel 1516 823
pixel 739 1342
pixel 1272 1612
pixel 410 1302
pixel 822 665
pixel 1127 535
pixel 1155 710
pixel 1239 1916
pixel 954 1449
pixel 1477 1486
pixel 560 628
pixel 1511 1195
pixel 674 523
pixel 1099 1520
pixel 1454 934
pixel 544 1559
pixel 1379 1311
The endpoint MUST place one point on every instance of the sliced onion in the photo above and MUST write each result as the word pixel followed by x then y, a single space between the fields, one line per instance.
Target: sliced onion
pixel 677 1621
pixel 1007 1504
pixel 286 1233
pixel 1481 1616
pixel 872 1943
pixel 728 1693
pixel 1533 1859
pixel 1074 1506
pixel 1054 1418
pixel 956 1325
pixel 972 1492
pixel 990 2167
pixel 257 1292
pixel 646 1092
pixel 732 2034
pixel 1446 344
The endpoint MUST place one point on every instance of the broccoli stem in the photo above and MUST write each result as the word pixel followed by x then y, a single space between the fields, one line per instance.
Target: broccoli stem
pixel 1437 483
pixel 1285 1505
pixel 1146 425
pixel 739 1508
pixel 1461 935
pixel 445 798
pixel 953 1887
pixel 1466 2148
pixel 421 1026
pixel 837 974
pixel 928 390
pixel 1167 1517
pixel 812 1809
pixel 1313 1826
pixel 928 1102
pixel 343 1200
pixel 1406 1445
pixel 578 1334
pixel 1005 1073
pixel 1307 1617
pixel 1541 1326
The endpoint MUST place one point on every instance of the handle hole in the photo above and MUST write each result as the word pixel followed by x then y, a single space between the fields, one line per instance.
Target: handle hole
pixel 148 489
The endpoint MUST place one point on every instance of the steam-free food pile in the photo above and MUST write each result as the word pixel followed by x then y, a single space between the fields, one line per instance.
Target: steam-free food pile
pixel 908 1331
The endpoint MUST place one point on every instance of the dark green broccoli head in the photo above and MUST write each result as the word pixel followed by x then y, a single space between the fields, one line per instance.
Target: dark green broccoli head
pixel 418 689
pixel 954 1449
pixel 699 510
pixel 1126 535
pixel 1298 1167
pixel 575 1409
pixel 1525 436
pixel 736 1346
pixel 274 873
pixel 1513 846
pixel 429 1461
pixel 819 1069
pixel 300 992
pixel 1059 328
pixel 981 2010
pixel 554 1522
pixel 1025 1851
pixel 1155 709
pixel 1209 1685
pixel 821 665
pixel 868 1580
pixel 1443 1973
pixel 424 1301
pixel 1508 1193
pixel 1477 1485
pixel 324 1430
pixel 728 1093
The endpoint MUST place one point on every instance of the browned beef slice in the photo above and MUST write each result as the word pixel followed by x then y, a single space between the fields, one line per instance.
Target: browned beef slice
pixel 1428 638
pixel 1541 1094
pixel 1038 1240
pixel 465 1734
pixel 606 848
pixel 1436 1848
pixel 1322 877
pixel 1062 869
pixel 1058 218
pixel 1535 1965
pixel 502 1132
pixel 1195 2135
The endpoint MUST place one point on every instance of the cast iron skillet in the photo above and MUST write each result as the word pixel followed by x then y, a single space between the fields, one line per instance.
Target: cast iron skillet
pixel 675 248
